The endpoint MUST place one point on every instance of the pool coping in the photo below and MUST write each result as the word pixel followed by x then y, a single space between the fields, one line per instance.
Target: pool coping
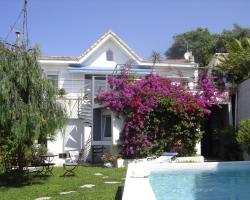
pixel 137 187
pixel 137 184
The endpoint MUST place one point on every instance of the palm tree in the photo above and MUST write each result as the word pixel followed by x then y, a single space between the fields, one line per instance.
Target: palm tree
pixel 236 64
pixel 156 57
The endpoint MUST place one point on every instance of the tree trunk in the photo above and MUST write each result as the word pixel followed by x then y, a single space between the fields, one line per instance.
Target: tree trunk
pixel 20 158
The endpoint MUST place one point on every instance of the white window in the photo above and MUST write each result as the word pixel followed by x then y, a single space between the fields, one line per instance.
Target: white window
pixel 109 55
pixel 106 125
pixel 53 79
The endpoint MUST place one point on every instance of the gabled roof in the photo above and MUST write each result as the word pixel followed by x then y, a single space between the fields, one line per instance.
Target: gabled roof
pixel 109 35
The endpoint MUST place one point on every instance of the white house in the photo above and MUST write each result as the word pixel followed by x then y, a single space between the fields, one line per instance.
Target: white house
pixel 84 76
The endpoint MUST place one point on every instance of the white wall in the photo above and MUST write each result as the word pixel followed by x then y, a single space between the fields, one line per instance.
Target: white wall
pixel 71 138
pixel 70 106
pixel 55 147
pixel 99 57
pixel 244 101
pixel 73 83
pixel 244 106
pixel 118 124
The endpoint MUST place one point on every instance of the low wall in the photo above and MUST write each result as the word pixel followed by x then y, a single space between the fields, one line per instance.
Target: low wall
pixel 192 159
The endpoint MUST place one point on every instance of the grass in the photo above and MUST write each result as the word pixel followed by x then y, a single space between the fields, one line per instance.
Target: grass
pixel 32 187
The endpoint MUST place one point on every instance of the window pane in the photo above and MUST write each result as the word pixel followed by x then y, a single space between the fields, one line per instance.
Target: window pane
pixel 109 55
pixel 97 77
pixel 106 125
pixel 53 79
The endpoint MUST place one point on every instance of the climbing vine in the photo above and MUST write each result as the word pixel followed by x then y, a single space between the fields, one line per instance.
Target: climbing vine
pixel 160 114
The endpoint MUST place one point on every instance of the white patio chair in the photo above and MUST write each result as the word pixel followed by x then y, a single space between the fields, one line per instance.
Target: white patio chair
pixel 74 155
pixel 72 162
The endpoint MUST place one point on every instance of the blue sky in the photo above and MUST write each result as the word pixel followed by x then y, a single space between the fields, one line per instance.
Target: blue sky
pixel 68 27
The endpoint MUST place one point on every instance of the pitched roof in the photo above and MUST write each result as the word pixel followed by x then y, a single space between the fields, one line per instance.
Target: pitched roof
pixel 110 34
pixel 170 61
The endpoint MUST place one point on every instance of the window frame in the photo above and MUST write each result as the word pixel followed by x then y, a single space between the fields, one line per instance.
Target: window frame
pixel 53 81
pixel 105 114
pixel 109 55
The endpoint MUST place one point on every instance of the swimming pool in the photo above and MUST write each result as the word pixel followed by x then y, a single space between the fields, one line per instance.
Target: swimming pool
pixel 226 181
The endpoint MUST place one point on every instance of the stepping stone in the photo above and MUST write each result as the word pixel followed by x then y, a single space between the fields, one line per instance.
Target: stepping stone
pixel 67 192
pixel 98 174
pixel 112 182
pixel 87 186
pixel 43 198
pixel 105 177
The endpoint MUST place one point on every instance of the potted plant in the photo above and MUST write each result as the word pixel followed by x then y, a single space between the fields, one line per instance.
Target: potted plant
pixel 61 92
pixel 108 160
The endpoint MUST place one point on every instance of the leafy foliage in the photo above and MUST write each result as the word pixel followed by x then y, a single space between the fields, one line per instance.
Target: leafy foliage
pixel 34 152
pixel 61 92
pixel 200 41
pixel 28 107
pixel 236 64
pixel 231 147
pixel 243 134
pixel 204 44
pixel 108 158
pixel 161 115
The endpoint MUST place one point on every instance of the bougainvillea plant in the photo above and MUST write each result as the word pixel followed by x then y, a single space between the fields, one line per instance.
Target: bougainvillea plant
pixel 160 114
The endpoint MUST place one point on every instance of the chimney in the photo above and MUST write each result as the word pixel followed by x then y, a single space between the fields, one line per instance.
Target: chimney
pixel 17 38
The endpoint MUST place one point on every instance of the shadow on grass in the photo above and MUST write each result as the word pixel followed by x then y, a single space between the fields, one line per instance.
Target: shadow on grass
pixel 9 180
pixel 119 193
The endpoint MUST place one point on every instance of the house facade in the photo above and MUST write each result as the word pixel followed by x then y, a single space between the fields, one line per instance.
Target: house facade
pixel 82 77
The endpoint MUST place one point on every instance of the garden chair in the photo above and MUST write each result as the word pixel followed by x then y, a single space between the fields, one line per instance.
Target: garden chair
pixel 72 162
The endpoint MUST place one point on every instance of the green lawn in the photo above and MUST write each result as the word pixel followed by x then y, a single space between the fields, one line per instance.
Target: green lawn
pixel 51 186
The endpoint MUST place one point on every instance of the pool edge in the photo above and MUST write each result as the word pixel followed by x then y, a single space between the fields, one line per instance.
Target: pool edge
pixel 137 185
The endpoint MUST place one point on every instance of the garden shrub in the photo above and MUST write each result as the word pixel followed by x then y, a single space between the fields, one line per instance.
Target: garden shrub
pixel 160 114
pixel 243 134
pixel 231 148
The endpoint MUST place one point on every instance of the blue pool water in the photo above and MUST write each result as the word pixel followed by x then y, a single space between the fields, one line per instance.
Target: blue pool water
pixel 226 183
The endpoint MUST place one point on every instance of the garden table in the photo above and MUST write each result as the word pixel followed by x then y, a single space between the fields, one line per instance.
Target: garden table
pixel 47 164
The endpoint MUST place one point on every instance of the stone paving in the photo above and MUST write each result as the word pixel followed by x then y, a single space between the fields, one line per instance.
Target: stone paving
pixel 67 192
pixel 43 198
pixel 98 174
pixel 87 186
pixel 112 182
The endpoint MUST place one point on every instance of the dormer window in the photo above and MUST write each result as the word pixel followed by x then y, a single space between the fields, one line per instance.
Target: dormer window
pixel 109 55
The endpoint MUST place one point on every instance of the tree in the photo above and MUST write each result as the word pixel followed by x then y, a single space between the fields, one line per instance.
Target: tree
pixel 204 44
pixel 156 57
pixel 28 107
pixel 227 36
pixel 200 42
pixel 236 64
